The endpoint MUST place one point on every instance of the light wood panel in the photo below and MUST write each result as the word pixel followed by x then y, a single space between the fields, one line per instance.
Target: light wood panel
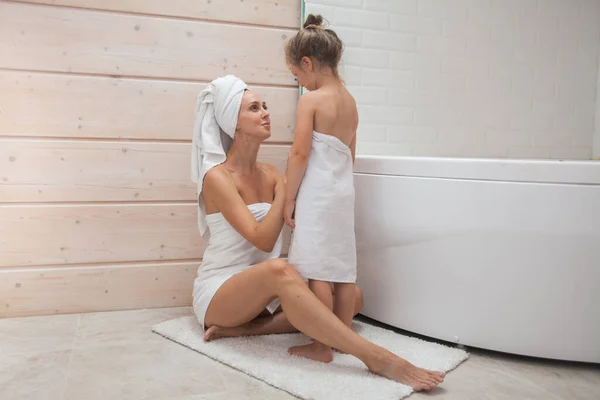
pixel 52 105
pixel 46 38
pixel 264 12
pixel 46 291
pixel 92 233
pixel 33 235
pixel 97 97
pixel 69 171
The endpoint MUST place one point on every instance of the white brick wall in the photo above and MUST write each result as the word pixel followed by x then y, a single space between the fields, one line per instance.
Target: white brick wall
pixel 472 78
pixel 596 152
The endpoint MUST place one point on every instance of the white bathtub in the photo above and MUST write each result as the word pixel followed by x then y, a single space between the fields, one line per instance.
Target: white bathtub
pixel 495 254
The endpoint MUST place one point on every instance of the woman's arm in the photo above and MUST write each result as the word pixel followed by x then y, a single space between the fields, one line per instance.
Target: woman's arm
pixel 222 191
pixel 298 157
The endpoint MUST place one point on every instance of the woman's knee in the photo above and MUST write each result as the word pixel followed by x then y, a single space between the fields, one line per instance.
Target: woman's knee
pixel 282 271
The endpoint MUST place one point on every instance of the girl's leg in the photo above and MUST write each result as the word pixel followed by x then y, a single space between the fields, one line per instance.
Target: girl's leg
pixel 245 295
pixel 316 350
pixel 343 306
pixel 270 324
pixel 323 292
pixel 344 302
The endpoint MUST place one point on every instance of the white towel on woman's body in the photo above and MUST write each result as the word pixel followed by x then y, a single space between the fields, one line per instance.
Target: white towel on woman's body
pixel 217 110
pixel 228 253
pixel 324 245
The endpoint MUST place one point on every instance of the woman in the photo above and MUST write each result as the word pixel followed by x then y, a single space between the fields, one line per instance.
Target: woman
pixel 241 214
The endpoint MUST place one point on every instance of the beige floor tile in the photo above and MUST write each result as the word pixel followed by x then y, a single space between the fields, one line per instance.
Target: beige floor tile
pixel 123 327
pixel 242 386
pixel 37 334
pixel 116 356
pixel 140 370
pixel 481 378
pixel 565 380
pixel 33 376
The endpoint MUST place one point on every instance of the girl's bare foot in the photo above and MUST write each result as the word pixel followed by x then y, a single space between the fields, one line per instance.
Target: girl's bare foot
pixel 315 351
pixel 399 370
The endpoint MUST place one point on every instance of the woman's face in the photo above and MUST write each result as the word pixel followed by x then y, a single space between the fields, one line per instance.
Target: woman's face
pixel 254 120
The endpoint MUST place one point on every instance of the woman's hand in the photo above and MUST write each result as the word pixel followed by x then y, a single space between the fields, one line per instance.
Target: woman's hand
pixel 288 213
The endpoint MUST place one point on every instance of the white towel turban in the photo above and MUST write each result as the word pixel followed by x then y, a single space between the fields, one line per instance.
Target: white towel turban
pixel 217 110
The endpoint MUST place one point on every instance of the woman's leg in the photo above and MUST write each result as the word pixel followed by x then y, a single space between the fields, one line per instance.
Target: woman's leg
pixel 270 324
pixel 343 308
pixel 243 297
pixel 316 350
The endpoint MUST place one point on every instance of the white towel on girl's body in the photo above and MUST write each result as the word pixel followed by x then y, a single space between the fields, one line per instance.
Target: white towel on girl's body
pixel 217 110
pixel 323 245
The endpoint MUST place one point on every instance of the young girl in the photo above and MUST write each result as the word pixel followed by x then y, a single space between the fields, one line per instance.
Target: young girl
pixel 319 199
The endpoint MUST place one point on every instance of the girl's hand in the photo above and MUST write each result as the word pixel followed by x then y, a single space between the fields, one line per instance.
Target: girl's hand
pixel 288 213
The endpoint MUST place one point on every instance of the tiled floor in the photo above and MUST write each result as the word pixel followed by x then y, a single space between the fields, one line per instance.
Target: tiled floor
pixel 116 356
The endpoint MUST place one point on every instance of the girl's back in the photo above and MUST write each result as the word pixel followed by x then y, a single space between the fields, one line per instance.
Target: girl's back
pixel 336 113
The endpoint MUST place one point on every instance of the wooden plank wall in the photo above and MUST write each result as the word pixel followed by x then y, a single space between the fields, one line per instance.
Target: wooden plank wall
pixel 97 210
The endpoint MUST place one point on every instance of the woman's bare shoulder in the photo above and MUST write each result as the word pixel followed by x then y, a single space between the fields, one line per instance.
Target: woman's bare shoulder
pixel 269 169
pixel 217 176
pixel 217 181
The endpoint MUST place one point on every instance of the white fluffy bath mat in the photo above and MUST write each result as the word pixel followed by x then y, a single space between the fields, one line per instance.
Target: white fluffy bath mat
pixel 266 358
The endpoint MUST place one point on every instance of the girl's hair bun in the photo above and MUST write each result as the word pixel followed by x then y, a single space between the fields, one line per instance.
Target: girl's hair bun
pixel 313 22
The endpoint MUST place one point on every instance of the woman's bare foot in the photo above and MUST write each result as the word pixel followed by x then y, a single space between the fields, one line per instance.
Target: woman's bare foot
pixel 400 370
pixel 315 351
pixel 216 332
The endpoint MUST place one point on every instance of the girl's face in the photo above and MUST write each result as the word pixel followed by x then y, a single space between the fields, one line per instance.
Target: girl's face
pixel 254 120
pixel 305 73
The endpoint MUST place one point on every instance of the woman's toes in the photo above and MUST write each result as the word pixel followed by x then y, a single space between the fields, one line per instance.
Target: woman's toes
pixel 436 377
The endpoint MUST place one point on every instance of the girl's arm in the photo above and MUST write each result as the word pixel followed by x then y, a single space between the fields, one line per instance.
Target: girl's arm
pixel 222 191
pixel 298 157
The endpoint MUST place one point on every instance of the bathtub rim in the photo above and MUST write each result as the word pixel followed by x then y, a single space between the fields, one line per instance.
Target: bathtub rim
pixel 572 172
